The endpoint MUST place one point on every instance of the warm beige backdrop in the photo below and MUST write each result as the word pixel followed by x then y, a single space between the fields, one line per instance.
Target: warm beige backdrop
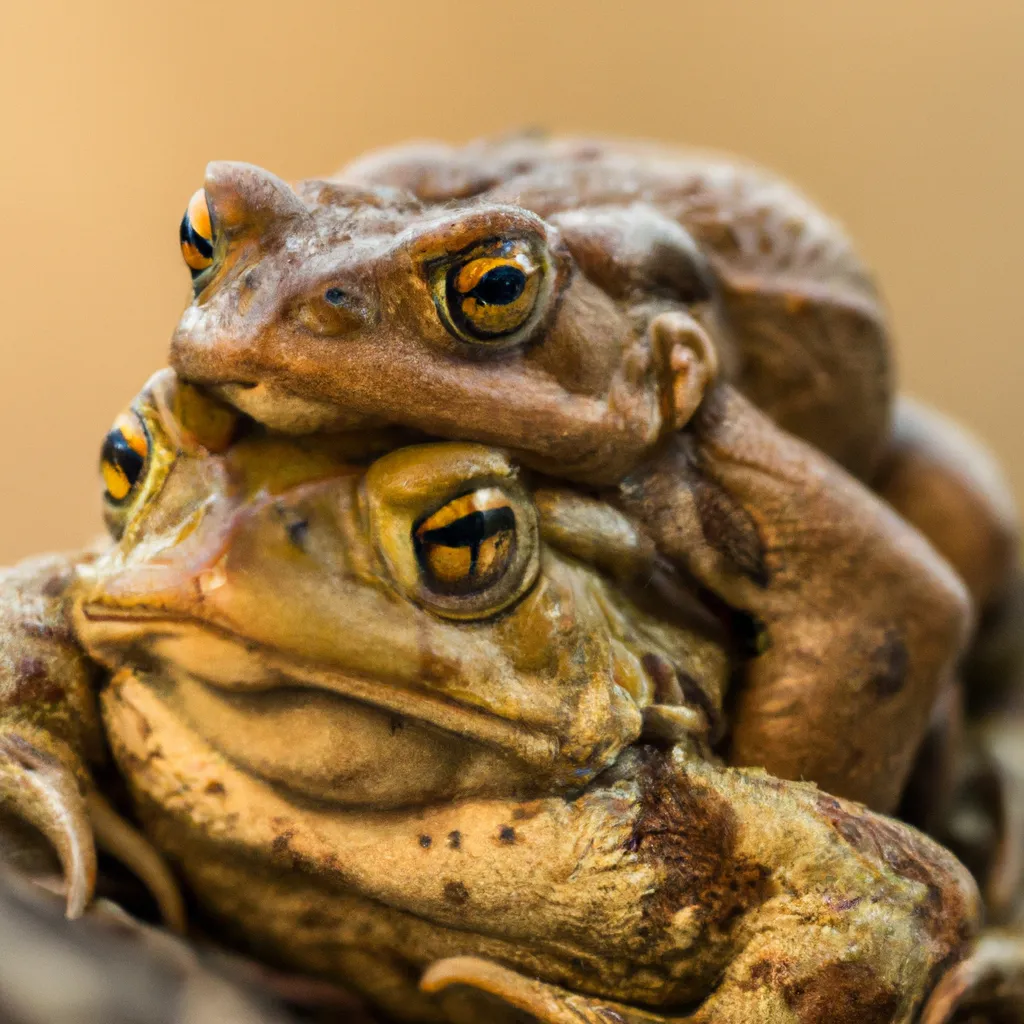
pixel 904 117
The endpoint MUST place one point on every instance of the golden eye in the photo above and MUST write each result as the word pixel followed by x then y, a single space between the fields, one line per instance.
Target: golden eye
pixel 492 295
pixel 196 234
pixel 123 458
pixel 469 544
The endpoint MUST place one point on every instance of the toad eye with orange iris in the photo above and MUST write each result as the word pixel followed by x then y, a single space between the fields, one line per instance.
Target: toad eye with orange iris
pixel 196 234
pixel 123 458
pixel 469 544
pixel 493 293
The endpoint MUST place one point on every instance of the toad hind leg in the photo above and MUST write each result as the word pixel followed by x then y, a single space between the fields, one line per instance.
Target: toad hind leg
pixel 549 1004
pixel 804 909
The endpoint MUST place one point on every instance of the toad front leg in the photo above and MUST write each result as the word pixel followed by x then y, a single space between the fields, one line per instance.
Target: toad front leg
pixel 50 737
pixel 860 621
pixel 49 726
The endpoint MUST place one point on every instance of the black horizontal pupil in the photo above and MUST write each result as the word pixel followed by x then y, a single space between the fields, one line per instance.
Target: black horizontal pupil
pixel 470 531
pixel 189 236
pixel 117 452
pixel 335 296
pixel 500 286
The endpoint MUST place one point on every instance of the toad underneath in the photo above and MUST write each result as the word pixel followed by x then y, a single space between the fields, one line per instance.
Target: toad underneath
pixel 395 727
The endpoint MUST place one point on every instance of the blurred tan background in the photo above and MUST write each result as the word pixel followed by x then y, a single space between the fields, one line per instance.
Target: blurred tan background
pixel 904 119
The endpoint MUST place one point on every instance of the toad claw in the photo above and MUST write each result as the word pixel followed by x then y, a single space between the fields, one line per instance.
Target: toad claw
pixel 548 1004
pixel 121 839
pixel 46 794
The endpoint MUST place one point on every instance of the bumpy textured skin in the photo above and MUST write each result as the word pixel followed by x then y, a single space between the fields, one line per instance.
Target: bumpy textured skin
pixel 668 272
pixel 803 328
pixel 642 229
pixel 861 621
pixel 287 714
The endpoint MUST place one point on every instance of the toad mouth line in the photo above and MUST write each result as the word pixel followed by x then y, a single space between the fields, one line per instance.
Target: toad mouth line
pixel 436 709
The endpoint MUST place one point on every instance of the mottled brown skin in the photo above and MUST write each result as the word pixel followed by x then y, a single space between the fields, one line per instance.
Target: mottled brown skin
pixel 860 620
pixel 634 232
pixel 287 696
pixel 666 273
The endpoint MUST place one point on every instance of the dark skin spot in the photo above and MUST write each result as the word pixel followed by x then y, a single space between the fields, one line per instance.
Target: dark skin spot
pixel 526 811
pixel 280 843
pixel 426 841
pixel 314 918
pixel 396 724
pixel 772 973
pixel 730 531
pixel 456 892
pixel 454 840
pixel 690 833
pixel 215 788
pixel 841 993
pixel 841 906
pixel 34 684
pixel 56 585
pixel 507 834
pixel 889 663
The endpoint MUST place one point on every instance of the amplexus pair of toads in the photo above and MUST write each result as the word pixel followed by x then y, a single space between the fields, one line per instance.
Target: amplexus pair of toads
pixel 516 544
pixel 682 337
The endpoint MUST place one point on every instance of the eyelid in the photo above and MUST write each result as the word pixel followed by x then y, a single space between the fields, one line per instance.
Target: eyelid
pixel 413 477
